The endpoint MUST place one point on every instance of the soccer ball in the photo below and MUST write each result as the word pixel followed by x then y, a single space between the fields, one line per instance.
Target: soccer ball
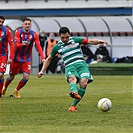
pixel 104 104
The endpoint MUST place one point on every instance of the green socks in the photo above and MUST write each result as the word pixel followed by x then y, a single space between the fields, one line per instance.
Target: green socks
pixel 73 87
pixel 81 92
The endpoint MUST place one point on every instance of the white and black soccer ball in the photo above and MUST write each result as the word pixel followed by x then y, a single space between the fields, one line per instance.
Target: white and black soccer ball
pixel 104 104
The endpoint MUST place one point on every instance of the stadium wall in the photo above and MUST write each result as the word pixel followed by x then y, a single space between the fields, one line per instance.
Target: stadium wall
pixel 48 8
pixel 63 4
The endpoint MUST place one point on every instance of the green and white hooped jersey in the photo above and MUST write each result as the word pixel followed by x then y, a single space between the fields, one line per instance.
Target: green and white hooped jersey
pixel 71 52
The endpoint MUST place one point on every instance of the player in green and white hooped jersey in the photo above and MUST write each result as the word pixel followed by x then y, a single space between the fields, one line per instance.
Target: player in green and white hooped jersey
pixel 76 69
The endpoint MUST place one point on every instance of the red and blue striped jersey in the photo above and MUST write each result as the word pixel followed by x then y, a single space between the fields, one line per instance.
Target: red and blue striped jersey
pixel 5 39
pixel 23 53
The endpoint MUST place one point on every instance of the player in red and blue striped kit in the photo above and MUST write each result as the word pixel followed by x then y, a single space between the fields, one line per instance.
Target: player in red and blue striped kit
pixel 24 40
pixel 5 39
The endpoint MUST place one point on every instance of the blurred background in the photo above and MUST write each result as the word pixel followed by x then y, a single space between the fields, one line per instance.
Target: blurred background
pixel 110 20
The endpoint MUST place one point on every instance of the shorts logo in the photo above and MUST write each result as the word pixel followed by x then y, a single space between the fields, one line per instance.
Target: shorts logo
pixel 85 74
pixel 69 73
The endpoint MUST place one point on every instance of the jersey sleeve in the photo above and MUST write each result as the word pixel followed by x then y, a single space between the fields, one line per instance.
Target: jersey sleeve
pixel 17 39
pixel 54 51
pixel 81 40
pixel 38 46
pixel 85 41
pixel 11 43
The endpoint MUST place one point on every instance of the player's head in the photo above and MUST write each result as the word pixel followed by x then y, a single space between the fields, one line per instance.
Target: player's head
pixel 51 36
pixel 64 34
pixel 26 24
pixel 2 19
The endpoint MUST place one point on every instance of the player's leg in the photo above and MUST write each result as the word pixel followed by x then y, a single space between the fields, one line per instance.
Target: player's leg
pixel 21 84
pixel 72 78
pixel 74 92
pixel 73 87
pixel 83 84
pixel 14 70
pixel 7 83
pixel 85 78
pixel 1 83
pixel 26 74
pixel 3 61
pixel 23 81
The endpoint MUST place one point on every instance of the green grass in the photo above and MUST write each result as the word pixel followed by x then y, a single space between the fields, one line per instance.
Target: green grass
pixel 43 106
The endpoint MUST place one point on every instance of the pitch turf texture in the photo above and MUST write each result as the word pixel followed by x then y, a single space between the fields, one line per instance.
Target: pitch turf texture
pixel 43 106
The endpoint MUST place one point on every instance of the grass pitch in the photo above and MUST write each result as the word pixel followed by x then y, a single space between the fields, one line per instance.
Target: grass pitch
pixel 43 106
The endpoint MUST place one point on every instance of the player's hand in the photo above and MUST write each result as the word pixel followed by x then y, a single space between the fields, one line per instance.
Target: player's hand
pixel 102 42
pixel 24 43
pixel 9 61
pixel 40 74
pixel 43 60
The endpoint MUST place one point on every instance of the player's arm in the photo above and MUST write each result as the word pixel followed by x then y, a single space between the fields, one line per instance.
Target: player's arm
pixel 45 65
pixel 38 46
pixel 93 41
pixel 11 43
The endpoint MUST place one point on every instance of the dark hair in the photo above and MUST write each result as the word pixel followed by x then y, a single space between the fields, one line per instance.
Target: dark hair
pixel 2 17
pixel 26 19
pixel 64 30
